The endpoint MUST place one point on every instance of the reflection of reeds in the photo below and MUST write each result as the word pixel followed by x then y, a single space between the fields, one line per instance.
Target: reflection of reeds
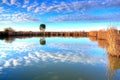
pixel 102 43
pixel 93 38
pixel 114 64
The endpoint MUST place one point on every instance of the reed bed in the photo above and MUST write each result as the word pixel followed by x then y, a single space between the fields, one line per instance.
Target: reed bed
pixel 113 39
pixel 92 34
pixel 102 34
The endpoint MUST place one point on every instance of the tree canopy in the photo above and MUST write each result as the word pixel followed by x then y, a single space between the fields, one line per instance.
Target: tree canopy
pixel 9 29
pixel 42 27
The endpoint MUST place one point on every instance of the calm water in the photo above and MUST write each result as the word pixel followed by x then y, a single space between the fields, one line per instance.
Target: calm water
pixel 58 59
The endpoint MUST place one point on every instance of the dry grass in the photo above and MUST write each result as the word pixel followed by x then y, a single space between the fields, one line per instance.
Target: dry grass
pixel 92 33
pixel 113 39
pixel 102 34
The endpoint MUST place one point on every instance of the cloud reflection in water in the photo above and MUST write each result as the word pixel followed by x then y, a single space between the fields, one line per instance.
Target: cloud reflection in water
pixel 22 54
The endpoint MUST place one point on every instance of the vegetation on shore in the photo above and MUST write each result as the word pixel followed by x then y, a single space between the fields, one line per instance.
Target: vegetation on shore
pixel 109 38
pixel 101 34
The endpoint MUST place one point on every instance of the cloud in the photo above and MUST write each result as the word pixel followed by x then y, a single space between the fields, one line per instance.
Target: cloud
pixel 26 1
pixel 75 6
pixel 64 5
pixel 43 6
pixel 32 6
pixel 86 17
pixel 2 9
pixel 54 7
pixel 43 56
pixel 13 2
pixel 25 4
pixel 17 17
pixel 41 9
pixel 16 62
pixel 7 64
pixel 31 19
pixel 62 8
pixel 79 54
pixel 37 9
pixel 5 1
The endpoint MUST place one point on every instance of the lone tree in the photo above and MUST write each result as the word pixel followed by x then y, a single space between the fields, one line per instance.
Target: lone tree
pixel 42 27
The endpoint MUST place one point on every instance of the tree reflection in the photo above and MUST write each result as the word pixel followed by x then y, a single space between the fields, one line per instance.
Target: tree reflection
pixel 42 41
pixel 9 39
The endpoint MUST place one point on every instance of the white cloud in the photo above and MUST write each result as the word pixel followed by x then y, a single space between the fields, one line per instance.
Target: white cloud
pixel 43 6
pixel 60 7
pixel 51 8
pixel 26 1
pixel 37 9
pixel 85 17
pixel 32 6
pixel 27 60
pixel 56 7
pixel 17 17
pixel 16 62
pixel 24 6
pixel 5 1
pixel 2 9
pixel 41 9
pixel 1 68
pixel 7 64
pixel 30 19
pixel 72 6
pixel 63 6
pixel 13 2
pixel 76 56
pixel 3 55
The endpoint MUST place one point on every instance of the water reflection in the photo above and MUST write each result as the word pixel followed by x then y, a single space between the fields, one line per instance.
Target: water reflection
pixel 80 51
pixel 59 59
pixel 42 41
pixel 9 39
pixel 113 50
pixel 114 66
pixel 112 46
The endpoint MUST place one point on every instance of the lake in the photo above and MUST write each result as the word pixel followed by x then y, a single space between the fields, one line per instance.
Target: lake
pixel 56 59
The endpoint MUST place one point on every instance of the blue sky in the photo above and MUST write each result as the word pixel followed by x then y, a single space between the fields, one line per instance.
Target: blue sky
pixel 59 15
